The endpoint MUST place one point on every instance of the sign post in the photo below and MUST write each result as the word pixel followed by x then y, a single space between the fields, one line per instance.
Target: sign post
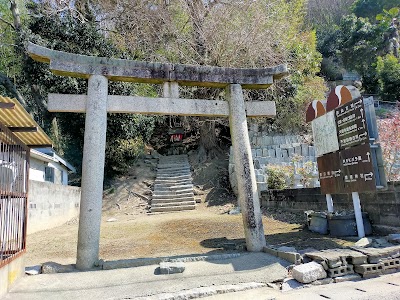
pixel 342 142
pixel 358 214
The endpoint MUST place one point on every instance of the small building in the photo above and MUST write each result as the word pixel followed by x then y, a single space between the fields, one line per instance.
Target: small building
pixel 47 165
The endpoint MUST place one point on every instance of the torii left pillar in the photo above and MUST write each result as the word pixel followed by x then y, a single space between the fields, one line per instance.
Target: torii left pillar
pixel 92 173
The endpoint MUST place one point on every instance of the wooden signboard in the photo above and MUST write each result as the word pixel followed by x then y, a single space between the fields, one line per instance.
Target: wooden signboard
pixel 330 173
pixel 357 170
pixel 351 124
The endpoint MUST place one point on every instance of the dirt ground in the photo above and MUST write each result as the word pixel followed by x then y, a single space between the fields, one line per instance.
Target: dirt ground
pixel 129 231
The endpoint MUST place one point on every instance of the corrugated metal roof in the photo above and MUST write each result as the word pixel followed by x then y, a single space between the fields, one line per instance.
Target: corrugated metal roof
pixel 19 117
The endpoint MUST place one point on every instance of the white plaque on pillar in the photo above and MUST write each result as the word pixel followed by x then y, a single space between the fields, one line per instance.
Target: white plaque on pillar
pixel 325 134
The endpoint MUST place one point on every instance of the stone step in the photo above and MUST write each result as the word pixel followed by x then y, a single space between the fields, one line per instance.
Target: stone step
pixel 174 192
pixel 166 197
pixel 173 161
pixel 160 187
pixel 174 183
pixel 173 172
pixel 172 208
pixel 167 202
pixel 169 177
pixel 173 166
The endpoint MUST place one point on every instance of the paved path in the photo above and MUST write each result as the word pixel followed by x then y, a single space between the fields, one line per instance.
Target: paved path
pixel 143 282
pixel 385 287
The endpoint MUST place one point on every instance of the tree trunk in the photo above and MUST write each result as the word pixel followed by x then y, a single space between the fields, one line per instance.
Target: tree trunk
pixel 15 13
pixel 208 144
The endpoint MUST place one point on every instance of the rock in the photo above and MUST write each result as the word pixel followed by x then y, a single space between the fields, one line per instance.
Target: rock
pixel 290 284
pixel 112 220
pixel 235 211
pixel 394 238
pixel 364 242
pixel 172 267
pixel 308 272
pixel 52 267
pixel 34 270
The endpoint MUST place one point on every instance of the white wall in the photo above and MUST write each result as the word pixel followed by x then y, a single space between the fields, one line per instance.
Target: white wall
pixel 37 171
pixel 51 205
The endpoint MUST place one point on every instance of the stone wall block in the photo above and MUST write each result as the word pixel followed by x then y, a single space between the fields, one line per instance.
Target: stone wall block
pixel 278 152
pixel 304 149
pixel 265 152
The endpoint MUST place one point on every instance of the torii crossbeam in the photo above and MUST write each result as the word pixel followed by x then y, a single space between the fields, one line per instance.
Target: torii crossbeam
pixel 97 102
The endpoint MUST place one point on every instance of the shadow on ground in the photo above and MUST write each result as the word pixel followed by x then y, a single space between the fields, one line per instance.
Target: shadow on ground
pixel 300 238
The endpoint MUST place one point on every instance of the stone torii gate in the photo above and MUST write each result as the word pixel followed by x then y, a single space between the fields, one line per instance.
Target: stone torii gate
pixel 97 102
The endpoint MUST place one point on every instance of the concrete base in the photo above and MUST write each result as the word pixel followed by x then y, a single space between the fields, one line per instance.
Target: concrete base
pixel 10 273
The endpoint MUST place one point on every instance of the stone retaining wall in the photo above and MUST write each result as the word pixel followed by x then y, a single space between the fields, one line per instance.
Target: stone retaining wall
pixel 383 207
pixel 278 150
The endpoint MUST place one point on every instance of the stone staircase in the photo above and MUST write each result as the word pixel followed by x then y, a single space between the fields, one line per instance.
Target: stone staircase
pixel 173 187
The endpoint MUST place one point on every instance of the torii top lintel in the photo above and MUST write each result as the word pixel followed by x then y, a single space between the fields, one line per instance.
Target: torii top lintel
pixel 75 65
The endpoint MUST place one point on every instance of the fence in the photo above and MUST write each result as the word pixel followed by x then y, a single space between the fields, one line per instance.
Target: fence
pixel 14 171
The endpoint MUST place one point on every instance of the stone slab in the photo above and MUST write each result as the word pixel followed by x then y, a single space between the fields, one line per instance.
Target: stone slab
pixel 160 106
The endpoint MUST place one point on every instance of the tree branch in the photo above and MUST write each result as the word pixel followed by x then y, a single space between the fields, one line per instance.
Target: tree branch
pixel 11 88
pixel 8 23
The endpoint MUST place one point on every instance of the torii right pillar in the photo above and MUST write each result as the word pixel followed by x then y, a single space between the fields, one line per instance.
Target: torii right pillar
pixel 246 178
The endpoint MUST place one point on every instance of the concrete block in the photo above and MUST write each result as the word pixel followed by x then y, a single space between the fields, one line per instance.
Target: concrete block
pixel 285 153
pixel 172 267
pixel 258 153
pixel 253 152
pixel 340 271
pixel 393 263
pixel 265 152
pixel 389 271
pixel 369 269
pixel 348 277
pixel 270 251
pixel 309 272
pixel 293 257
pixel 267 140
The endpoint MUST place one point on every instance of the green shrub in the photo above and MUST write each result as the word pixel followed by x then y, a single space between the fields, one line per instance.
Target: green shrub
pixel 388 69
pixel 122 154
pixel 277 177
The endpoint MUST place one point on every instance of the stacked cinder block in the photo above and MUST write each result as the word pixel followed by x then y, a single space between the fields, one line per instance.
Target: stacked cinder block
pixel 338 262
pixel 380 261
pixel 337 265
pixel 268 149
